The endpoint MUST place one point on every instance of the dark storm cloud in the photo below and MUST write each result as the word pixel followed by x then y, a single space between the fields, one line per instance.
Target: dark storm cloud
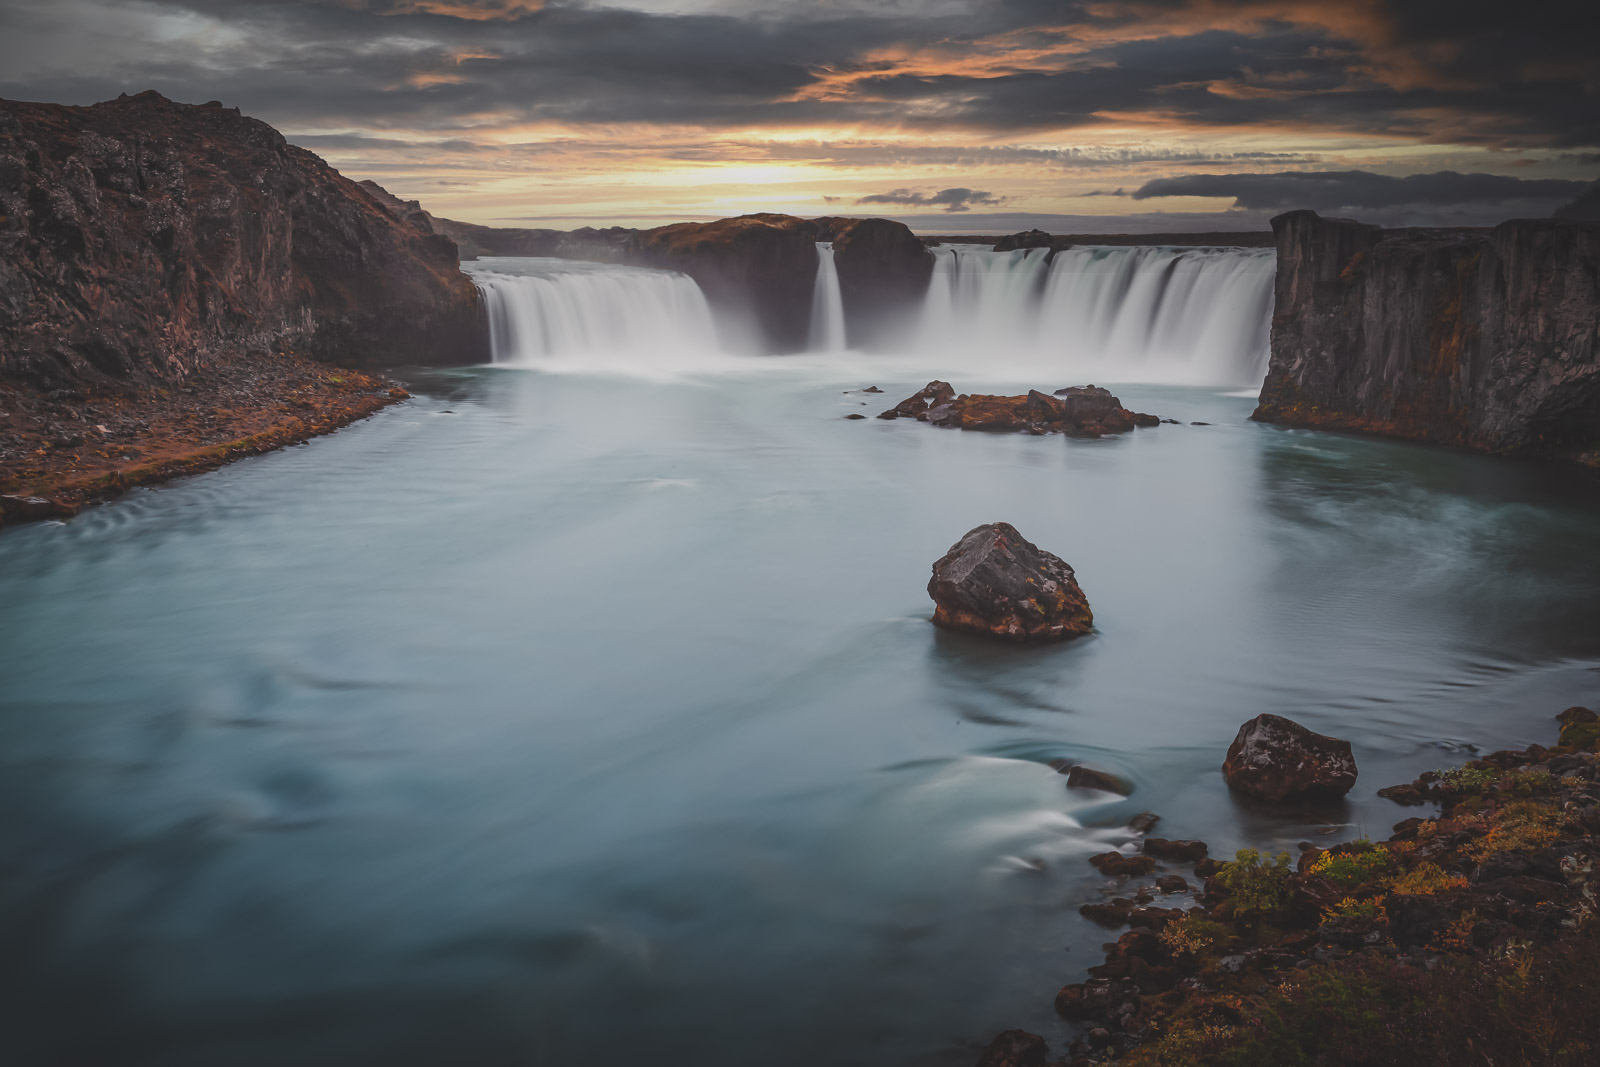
pixel 1336 190
pixel 945 199
pixel 1464 77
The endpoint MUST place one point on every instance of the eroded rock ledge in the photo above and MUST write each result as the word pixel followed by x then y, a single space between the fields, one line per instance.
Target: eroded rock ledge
pixel 1485 339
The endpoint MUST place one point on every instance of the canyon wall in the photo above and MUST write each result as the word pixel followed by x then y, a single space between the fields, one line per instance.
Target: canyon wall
pixel 1488 339
pixel 143 240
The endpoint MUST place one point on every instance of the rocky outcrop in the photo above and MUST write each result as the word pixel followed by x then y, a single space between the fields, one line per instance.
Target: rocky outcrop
pixel 884 272
pixel 1490 340
pixel 757 271
pixel 758 267
pixel 1077 411
pixel 763 268
pixel 1276 759
pixel 143 240
pixel 995 581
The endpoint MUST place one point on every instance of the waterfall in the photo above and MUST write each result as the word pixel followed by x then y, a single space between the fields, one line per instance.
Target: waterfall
pixel 827 305
pixel 1142 313
pixel 541 308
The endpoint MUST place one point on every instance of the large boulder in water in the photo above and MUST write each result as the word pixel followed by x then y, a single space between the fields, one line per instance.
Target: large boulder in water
pixel 1277 759
pixel 995 581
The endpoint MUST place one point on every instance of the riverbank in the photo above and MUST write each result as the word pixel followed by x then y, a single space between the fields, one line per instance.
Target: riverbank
pixel 1468 936
pixel 68 447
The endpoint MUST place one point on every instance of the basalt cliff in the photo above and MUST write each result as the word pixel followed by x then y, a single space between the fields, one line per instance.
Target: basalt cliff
pixel 1488 339
pixel 142 239
pixel 177 283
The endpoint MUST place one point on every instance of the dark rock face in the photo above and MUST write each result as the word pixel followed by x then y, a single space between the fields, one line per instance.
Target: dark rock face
pixel 1015 1048
pixel 1081 777
pixel 142 240
pixel 762 266
pixel 1277 759
pixel 1489 340
pixel 995 581
pixel 1115 863
pixel 884 271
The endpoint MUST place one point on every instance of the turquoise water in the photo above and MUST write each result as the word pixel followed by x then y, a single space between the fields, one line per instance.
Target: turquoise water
pixel 567 718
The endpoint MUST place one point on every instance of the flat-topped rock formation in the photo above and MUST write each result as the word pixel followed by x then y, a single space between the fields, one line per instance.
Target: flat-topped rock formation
pixel 1485 339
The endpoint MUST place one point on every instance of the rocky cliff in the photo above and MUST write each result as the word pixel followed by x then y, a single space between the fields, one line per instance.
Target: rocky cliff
pixel 757 271
pixel 143 240
pixel 1486 339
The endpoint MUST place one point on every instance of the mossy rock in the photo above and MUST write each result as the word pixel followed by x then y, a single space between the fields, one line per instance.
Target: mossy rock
pixel 1580 735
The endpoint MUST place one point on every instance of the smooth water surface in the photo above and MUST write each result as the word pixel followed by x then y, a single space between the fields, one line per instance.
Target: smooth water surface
pixel 573 719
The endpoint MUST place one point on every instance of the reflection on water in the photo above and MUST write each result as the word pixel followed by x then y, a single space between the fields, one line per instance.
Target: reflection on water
pixel 564 719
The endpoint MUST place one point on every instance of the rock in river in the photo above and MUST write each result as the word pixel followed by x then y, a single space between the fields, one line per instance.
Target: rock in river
pixel 995 581
pixel 1277 759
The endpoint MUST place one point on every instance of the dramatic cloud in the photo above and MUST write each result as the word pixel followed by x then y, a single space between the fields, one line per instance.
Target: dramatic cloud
pixel 1330 190
pixel 713 106
pixel 947 199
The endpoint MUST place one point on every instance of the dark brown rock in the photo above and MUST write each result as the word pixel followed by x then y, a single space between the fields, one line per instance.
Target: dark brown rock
pixel 1577 715
pixel 1115 863
pixel 1277 759
pixel 917 403
pixel 1186 851
pixel 883 271
pixel 143 240
pixel 1485 340
pixel 1143 822
pixel 1172 883
pixel 1015 1048
pixel 1081 777
pixel 761 266
pixel 995 581
pixel 1108 913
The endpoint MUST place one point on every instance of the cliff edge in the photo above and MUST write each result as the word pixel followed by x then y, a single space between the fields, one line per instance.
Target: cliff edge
pixel 142 240
pixel 1484 339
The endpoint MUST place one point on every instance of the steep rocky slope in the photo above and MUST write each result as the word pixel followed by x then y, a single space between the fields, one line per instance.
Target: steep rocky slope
pixel 1486 339
pixel 176 283
pixel 142 240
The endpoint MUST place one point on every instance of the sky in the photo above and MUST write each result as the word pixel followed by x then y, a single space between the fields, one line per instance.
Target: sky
pixel 956 116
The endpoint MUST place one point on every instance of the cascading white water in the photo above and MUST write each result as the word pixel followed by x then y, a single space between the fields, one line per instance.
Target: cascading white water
pixel 827 305
pixel 1143 313
pixel 543 308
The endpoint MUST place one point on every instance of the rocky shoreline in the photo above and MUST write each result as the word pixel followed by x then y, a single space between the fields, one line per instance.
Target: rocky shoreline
pixel 72 446
pixel 1469 936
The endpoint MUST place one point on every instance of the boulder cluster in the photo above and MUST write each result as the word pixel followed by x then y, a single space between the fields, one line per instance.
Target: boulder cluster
pixel 1077 411
pixel 1436 945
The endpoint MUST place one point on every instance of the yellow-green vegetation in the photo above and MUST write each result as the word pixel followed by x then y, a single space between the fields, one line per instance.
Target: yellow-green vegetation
pixel 1424 880
pixel 1193 934
pixel 1359 863
pixel 1255 884
pixel 1520 826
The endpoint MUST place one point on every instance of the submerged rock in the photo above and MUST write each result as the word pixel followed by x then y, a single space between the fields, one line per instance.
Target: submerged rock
pixel 1081 777
pixel 1277 759
pixel 1015 1048
pixel 995 581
